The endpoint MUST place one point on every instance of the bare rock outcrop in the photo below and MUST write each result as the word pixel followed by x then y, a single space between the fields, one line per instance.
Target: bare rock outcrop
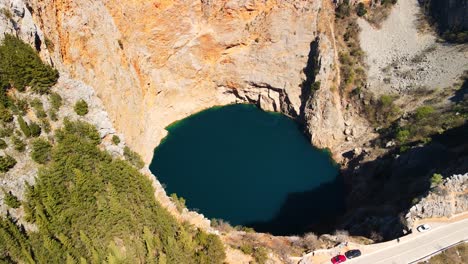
pixel 17 20
pixel 444 201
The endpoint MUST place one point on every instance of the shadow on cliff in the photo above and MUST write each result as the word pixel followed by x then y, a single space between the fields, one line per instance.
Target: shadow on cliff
pixel 384 189
pixel 461 94
pixel 314 210
pixel 310 72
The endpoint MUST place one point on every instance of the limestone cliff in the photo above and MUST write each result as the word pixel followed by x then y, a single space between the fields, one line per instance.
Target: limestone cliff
pixel 444 201
pixel 154 62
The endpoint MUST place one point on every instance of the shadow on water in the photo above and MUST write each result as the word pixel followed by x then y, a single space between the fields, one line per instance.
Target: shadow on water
pixel 307 211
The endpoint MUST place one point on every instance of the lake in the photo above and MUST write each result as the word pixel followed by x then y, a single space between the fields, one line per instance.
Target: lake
pixel 251 168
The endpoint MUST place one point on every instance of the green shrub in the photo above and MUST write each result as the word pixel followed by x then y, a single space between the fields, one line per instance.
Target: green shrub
pixel 45 125
pixel 315 86
pixel 24 126
pixel 5 100
pixel 3 144
pixel 343 10
pixel 81 107
pixel 115 139
pixel 18 144
pixel 49 44
pixel 6 131
pixel 246 249
pixel 11 200
pixel 423 112
pixel 7 13
pixel 5 115
pixel 56 101
pixel 403 135
pixel 244 229
pixel 53 115
pixel 133 158
pixel 179 202
pixel 38 108
pixel 6 163
pixel 260 255
pixel 361 10
pixel 382 112
pixel 21 66
pixel 41 150
pixel 80 129
pixel 212 249
pixel 388 2
pixel 35 129
pixel 436 179
pixel 21 106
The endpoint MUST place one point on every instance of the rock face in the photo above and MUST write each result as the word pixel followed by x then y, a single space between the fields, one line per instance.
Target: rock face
pixel 178 57
pixel 444 201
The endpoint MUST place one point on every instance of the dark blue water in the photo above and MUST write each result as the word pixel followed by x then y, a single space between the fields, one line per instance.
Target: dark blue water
pixel 249 167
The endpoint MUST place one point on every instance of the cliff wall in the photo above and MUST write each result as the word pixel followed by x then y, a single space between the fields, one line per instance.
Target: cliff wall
pixel 155 62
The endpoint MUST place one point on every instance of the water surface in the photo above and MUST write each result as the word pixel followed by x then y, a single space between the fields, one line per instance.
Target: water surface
pixel 249 167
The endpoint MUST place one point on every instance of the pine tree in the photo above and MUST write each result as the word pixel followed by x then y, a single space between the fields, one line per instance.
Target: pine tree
pixel 6 163
pixel 21 66
pixel 24 126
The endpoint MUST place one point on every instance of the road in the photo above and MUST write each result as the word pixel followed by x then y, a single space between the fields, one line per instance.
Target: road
pixel 417 245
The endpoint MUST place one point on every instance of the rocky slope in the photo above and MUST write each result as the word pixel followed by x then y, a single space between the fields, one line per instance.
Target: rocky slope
pixel 153 68
pixel 444 201
pixel 402 59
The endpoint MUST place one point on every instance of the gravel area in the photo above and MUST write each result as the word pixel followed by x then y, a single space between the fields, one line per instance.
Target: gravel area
pixel 402 58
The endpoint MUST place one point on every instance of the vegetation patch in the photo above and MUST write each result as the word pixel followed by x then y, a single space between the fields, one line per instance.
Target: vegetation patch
pixel 21 67
pixel 90 207
pixel 427 121
pixel 115 139
pixel 6 163
pixel 11 200
pixel 133 158
pixel 41 150
pixel 179 202
pixel 351 56
pixel 454 255
pixel 383 111
pixel 379 11
pixel 81 107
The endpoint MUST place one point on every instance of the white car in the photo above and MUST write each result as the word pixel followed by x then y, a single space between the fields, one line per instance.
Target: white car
pixel 423 228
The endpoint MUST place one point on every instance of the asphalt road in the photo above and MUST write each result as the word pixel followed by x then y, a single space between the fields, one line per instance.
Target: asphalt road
pixel 417 245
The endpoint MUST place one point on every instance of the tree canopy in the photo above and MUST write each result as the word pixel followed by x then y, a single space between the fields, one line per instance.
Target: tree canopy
pixel 90 207
pixel 21 66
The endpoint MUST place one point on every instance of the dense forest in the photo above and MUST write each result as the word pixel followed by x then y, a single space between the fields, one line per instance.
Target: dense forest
pixel 86 206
